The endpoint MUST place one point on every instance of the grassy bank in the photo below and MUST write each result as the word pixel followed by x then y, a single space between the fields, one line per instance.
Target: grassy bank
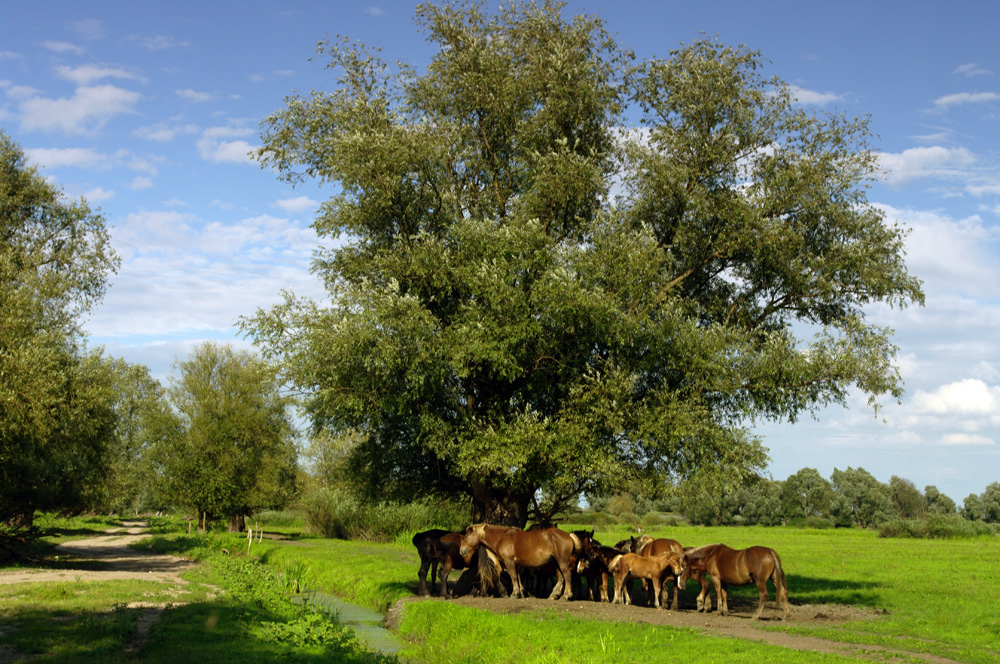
pixel 938 596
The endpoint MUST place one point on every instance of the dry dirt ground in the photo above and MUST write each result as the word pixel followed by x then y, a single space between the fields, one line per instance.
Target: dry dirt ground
pixel 115 560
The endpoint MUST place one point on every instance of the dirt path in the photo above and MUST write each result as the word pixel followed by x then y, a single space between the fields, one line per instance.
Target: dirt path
pixel 107 558
pixel 738 624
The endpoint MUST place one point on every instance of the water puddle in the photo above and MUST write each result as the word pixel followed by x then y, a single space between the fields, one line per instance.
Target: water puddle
pixel 365 622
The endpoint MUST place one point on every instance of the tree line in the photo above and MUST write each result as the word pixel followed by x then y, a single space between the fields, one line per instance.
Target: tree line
pixel 852 497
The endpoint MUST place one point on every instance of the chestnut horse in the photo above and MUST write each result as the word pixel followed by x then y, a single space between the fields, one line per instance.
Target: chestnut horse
pixel 593 566
pixel 654 568
pixel 740 568
pixel 654 548
pixel 438 546
pixel 531 549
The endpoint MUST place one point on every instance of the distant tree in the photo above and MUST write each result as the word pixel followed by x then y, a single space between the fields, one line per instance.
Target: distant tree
pixel 937 502
pixel 806 493
pixel 989 502
pixel 238 445
pixel 144 423
pixel 55 262
pixel 865 498
pixel 906 498
pixel 499 326
pixel 759 502
pixel 972 508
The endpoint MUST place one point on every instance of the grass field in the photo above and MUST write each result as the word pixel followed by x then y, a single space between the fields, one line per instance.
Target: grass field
pixel 938 600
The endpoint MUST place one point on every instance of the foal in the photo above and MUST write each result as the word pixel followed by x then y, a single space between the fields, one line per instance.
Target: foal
pixel 656 569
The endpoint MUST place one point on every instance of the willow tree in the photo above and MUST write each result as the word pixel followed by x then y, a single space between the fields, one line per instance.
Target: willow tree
pixel 506 320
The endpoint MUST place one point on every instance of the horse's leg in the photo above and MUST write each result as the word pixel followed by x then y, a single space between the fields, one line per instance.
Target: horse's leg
pixel 445 572
pixel 422 575
pixel 721 601
pixel 604 587
pixel 762 594
pixel 516 590
pixel 704 600
pixel 567 574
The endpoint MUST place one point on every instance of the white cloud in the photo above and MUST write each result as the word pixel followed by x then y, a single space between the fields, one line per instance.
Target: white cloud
pixel 297 204
pixel 63 47
pixel 162 132
pixel 970 396
pixel 813 98
pixel 86 74
pixel 194 95
pixel 87 158
pixel 98 195
pixel 966 439
pixel 141 182
pixel 375 11
pixel 159 43
pixel 89 28
pixel 971 69
pixel 213 147
pixel 89 108
pixel 966 98
pixel 926 162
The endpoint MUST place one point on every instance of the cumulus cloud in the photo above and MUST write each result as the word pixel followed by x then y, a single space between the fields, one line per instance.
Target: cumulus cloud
pixel 213 146
pixel 89 109
pixel 89 28
pixel 163 132
pixel 936 161
pixel 63 47
pixel 812 97
pixel 970 396
pixel 86 74
pixel 971 69
pixel 194 95
pixel 98 195
pixel 297 204
pixel 966 98
pixel 159 42
pixel 966 439
pixel 87 158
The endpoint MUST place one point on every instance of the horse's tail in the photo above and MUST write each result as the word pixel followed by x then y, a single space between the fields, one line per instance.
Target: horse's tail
pixel 615 562
pixel 577 545
pixel 489 569
pixel 780 586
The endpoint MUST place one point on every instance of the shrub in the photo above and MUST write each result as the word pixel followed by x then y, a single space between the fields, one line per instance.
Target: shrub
pixel 938 526
pixel 338 514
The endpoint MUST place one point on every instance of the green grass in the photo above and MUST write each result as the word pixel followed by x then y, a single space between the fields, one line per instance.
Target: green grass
pixel 940 595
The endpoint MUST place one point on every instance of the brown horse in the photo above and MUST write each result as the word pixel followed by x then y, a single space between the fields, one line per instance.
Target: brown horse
pixel 656 547
pixel 532 549
pixel 740 568
pixel 593 566
pixel 656 569
pixel 434 547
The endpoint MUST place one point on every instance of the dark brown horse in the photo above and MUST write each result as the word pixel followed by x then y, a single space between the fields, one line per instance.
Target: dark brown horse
pixel 655 548
pixel 655 569
pixel 593 566
pixel 439 547
pixel 739 568
pixel 532 549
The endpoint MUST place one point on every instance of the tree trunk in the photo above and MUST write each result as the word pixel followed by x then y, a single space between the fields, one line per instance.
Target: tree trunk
pixel 237 524
pixel 499 506
pixel 22 520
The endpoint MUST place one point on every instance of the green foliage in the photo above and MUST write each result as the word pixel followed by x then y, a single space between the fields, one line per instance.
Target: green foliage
pixel 938 526
pixel 55 419
pixel 237 452
pixel 499 327
pixel 860 498
pixel 337 513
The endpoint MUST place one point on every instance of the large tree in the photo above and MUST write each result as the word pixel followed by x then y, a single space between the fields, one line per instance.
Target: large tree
pixel 55 415
pixel 237 448
pixel 500 326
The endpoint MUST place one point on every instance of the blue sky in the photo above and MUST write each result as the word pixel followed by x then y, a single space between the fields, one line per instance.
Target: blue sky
pixel 149 109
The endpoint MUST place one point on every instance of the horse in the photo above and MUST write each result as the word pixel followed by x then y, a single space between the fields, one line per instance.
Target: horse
pixel 593 565
pixel 654 568
pixel 434 547
pixel 654 548
pixel 633 544
pixel 740 568
pixel 532 549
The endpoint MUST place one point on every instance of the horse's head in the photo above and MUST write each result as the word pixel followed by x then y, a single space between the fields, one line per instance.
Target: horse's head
pixel 682 571
pixel 471 539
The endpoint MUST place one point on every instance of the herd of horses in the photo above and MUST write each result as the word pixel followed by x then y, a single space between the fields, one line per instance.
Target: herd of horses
pixel 524 562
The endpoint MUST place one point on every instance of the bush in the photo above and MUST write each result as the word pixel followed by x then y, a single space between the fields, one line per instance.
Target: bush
pixel 938 526
pixel 338 514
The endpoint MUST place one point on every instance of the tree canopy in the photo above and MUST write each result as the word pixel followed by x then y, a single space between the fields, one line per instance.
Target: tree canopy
pixel 530 298
pixel 55 398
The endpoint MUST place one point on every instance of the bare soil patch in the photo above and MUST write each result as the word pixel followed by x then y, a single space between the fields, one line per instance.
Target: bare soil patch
pixel 106 558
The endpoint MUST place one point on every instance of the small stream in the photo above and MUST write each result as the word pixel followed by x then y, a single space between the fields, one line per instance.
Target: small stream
pixel 365 622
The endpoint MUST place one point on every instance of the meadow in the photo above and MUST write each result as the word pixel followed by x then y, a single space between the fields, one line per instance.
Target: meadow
pixel 924 601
